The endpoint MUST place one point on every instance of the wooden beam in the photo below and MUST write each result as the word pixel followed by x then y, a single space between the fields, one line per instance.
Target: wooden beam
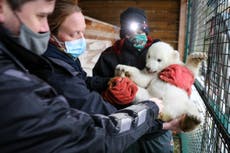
pixel 182 27
pixel 163 17
pixel 99 30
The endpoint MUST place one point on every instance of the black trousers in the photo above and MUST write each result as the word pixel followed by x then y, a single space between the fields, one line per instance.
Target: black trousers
pixel 150 143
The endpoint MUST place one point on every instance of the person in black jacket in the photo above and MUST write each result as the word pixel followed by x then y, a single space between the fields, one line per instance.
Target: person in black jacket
pixel 34 117
pixel 68 77
pixel 67 26
pixel 131 50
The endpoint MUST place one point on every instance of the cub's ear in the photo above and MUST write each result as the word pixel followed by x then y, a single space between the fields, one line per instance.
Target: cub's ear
pixel 176 55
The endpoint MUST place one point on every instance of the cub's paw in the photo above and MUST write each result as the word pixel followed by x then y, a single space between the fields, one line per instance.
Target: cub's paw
pixel 190 122
pixel 123 70
pixel 196 57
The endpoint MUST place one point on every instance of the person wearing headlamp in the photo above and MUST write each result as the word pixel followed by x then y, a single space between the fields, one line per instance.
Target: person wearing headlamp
pixel 137 35
pixel 131 50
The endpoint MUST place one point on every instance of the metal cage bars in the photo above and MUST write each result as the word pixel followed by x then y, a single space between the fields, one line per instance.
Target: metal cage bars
pixel 208 30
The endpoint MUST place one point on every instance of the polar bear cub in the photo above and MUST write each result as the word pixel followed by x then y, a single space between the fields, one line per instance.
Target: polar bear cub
pixel 176 100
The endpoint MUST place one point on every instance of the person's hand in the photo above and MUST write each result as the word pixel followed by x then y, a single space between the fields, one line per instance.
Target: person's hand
pixel 174 125
pixel 159 103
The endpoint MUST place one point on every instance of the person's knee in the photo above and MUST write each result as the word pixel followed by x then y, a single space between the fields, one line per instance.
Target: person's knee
pixel 160 144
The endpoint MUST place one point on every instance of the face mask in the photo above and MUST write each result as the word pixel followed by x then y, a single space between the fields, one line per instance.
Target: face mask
pixel 75 47
pixel 139 41
pixel 35 42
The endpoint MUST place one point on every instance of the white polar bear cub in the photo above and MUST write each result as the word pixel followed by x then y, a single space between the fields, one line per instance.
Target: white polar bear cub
pixel 176 100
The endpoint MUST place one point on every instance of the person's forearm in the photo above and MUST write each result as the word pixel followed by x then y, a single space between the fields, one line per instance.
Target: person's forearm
pixel 129 124
pixel 97 83
pixel 166 126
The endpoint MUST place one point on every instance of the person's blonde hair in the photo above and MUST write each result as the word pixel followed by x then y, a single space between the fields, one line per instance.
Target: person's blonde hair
pixel 63 8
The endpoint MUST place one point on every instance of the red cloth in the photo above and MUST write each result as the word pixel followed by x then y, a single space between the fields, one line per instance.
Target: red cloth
pixel 179 76
pixel 121 91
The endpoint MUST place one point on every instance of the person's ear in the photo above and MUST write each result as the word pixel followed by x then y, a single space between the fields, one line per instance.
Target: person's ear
pixel 1 10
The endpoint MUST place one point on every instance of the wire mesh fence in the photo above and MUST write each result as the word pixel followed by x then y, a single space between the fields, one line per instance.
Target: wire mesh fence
pixel 208 30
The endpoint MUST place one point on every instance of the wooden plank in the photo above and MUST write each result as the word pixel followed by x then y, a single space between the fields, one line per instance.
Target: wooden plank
pixel 151 15
pixel 158 25
pixel 116 21
pixel 99 30
pixel 159 4
pixel 164 35
pixel 163 15
pixel 182 28
pixel 94 25
pixel 102 4
pixel 110 12
pixel 118 4
pixel 166 22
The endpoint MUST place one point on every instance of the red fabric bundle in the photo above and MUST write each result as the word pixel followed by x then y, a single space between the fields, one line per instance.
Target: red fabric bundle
pixel 121 91
pixel 179 76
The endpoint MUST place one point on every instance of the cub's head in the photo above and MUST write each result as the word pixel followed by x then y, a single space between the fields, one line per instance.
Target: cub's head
pixel 159 56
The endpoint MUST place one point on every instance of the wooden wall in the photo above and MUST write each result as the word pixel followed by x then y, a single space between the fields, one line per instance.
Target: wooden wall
pixel 163 15
pixel 99 36
pixel 99 30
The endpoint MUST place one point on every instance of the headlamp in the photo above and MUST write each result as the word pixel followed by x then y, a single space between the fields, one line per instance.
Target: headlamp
pixel 134 26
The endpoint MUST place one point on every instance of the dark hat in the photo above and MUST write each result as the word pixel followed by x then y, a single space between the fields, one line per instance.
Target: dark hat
pixel 133 14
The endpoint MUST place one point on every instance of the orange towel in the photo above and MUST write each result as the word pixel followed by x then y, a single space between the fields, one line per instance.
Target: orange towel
pixel 179 76
pixel 121 91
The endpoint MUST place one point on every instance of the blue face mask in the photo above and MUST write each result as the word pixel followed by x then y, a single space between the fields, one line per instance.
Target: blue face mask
pixel 75 47
pixel 139 41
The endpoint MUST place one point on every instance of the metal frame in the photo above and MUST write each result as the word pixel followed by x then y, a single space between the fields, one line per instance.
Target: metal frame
pixel 208 30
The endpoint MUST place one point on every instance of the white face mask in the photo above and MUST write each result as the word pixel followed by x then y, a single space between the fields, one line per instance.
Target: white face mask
pixel 75 47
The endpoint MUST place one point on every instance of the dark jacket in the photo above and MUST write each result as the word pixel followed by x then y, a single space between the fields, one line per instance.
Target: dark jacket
pixel 122 52
pixel 69 79
pixel 36 119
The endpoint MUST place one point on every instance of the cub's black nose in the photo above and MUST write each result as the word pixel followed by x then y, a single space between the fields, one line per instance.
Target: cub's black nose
pixel 147 68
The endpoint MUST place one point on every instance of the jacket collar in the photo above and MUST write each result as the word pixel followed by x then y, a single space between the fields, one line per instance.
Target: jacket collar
pixel 63 60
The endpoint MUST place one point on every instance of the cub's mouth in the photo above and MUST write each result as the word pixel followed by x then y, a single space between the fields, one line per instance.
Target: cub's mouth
pixel 149 70
pixel 152 72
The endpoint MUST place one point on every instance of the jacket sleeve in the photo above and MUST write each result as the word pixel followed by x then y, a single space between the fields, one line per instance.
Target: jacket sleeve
pixel 35 119
pixel 97 83
pixel 75 89
pixel 106 64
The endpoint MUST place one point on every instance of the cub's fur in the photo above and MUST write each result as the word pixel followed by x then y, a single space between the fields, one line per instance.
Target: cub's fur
pixel 176 100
